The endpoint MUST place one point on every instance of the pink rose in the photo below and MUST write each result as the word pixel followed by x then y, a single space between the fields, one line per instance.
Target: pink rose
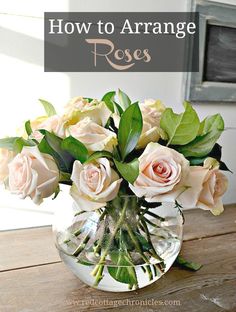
pixel 93 136
pixel 206 188
pixel 162 173
pixel 94 184
pixel 53 124
pixel 33 174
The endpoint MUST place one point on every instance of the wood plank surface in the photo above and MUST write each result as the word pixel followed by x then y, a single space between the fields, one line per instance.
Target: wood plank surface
pixel 27 247
pixel 201 223
pixel 35 246
pixel 34 280
pixel 54 288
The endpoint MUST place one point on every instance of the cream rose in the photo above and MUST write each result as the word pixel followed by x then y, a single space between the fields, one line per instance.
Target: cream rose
pixel 94 184
pixel 33 174
pixel 93 136
pixel 151 112
pixel 53 124
pixel 79 108
pixel 207 185
pixel 162 173
pixel 5 157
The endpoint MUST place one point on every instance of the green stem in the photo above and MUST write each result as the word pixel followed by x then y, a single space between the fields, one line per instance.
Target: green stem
pixel 79 213
pixel 96 271
pixel 152 214
pixel 150 240
pixel 136 243
pixel 150 222
pixel 80 248
pixel 99 275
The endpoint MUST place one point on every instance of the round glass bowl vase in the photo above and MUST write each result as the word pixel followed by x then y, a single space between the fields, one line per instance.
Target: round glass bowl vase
pixel 122 247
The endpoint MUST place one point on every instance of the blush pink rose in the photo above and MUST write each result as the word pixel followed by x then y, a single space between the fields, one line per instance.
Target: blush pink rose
pixel 206 186
pixel 162 174
pixel 33 174
pixel 94 184
pixel 93 136
pixel 53 124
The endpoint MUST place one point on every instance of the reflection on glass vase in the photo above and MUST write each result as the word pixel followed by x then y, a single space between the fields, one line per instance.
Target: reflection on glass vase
pixel 122 247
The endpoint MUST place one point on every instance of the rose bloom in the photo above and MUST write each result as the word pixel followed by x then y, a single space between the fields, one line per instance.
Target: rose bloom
pixel 93 136
pixel 162 173
pixel 33 174
pixel 79 108
pixel 151 112
pixel 206 186
pixel 53 124
pixel 94 184
pixel 5 157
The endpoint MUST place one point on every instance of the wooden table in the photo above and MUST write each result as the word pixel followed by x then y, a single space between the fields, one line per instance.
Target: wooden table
pixel 32 277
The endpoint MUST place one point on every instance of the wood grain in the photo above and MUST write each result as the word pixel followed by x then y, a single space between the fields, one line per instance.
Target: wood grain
pixel 27 247
pixel 34 280
pixel 200 223
pixel 36 247
pixel 53 288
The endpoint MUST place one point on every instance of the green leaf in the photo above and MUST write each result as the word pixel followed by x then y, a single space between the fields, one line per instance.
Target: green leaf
pixel 125 101
pixel 8 143
pixel 75 148
pixel 130 129
pixel 88 99
pixel 51 144
pixel 49 108
pixel 20 143
pixel 108 98
pixel 211 123
pixel 129 171
pixel 99 154
pixel 114 107
pixel 188 264
pixel 28 128
pixel 181 128
pixel 201 146
pixel 15 143
pixel 124 271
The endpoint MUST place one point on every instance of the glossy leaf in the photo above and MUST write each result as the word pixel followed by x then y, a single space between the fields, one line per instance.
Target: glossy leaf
pixel 129 171
pixel 51 144
pixel 75 148
pixel 188 264
pixel 181 128
pixel 28 128
pixel 201 146
pixel 130 129
pixel 99 154
pixel 125 101
pixel 211 123
pixel 108 98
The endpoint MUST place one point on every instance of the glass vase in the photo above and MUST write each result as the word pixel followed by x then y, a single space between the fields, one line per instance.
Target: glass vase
pixel 122 247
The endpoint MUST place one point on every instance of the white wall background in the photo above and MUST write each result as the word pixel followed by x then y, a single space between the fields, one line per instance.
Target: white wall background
pixel 23 81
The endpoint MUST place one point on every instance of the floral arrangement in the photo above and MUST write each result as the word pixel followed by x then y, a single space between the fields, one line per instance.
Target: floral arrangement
pixel 112 148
